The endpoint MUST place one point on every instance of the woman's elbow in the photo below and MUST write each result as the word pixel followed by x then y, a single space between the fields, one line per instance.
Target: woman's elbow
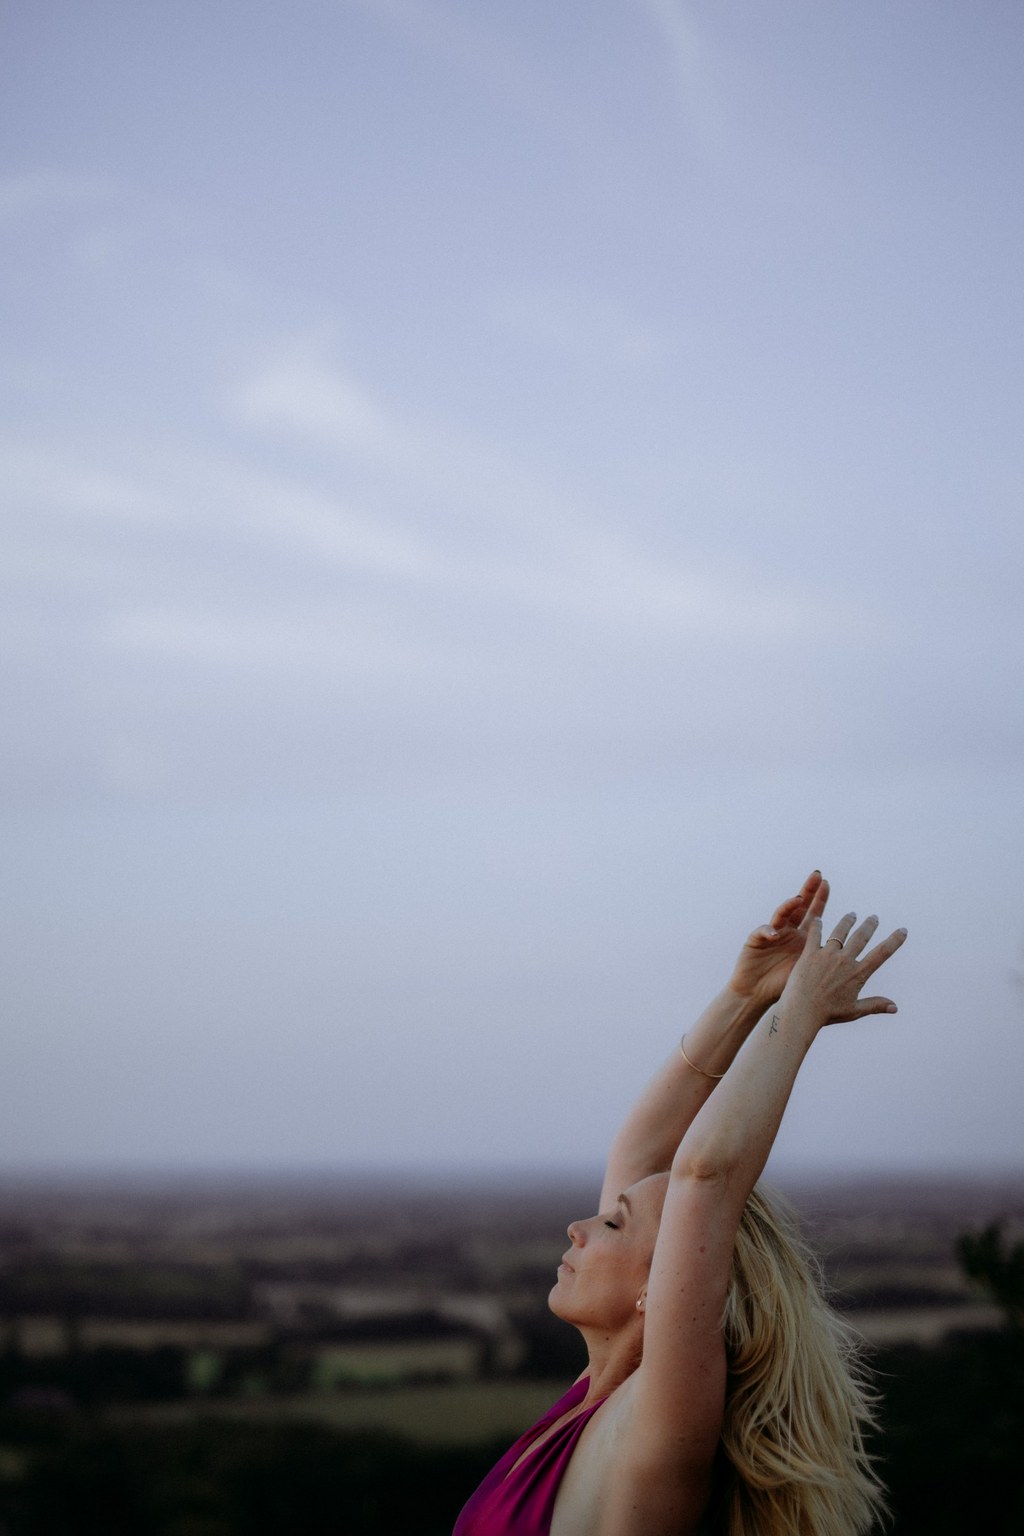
pixel 703 1166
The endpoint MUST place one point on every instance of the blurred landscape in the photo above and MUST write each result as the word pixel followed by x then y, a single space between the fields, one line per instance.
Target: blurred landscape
pixel 205 1356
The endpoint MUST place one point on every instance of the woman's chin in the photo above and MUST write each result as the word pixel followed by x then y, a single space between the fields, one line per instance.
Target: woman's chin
pixel 556 1300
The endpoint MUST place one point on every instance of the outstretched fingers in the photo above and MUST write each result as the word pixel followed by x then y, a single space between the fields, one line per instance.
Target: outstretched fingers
pixel 841 932
pixel 790 912
pixel 881 952
pixel 866 1005
pixel 807 903
pixel 818 902
pixel 861 936
pixel 836 971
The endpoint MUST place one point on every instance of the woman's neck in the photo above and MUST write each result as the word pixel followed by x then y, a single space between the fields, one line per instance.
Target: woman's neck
pixel 613 1359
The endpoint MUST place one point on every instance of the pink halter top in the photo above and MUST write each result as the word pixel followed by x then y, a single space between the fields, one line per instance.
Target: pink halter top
pixel 519 1500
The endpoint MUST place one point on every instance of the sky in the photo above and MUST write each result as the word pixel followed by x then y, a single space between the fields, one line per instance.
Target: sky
pixel 492 496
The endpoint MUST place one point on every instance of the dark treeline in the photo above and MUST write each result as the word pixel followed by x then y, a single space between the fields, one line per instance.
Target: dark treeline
pixel 209 1478
pixel 950 1447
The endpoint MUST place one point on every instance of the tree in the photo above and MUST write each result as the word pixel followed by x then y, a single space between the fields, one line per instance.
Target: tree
pixel 988 1260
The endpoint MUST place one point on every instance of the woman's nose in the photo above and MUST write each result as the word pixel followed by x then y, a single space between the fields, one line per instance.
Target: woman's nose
pixel 574 1233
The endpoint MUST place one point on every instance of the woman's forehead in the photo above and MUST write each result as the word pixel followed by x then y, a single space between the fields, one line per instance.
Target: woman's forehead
pixel 648 1194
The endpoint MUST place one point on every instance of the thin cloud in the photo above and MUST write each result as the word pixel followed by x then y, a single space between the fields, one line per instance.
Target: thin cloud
pixel 579 324
pixel 315 640
pixel 297 395
pixel 581 569
pixel 41 477
pixel 476 51
pixel 317 403
pixel 688 60
pixel 41 192
pixel 491 60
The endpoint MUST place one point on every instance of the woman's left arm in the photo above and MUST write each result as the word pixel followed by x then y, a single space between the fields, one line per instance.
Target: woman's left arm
pixel 658 1122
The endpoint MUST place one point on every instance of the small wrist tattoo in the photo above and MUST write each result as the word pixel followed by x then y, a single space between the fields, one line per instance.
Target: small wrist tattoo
pixel 774 1027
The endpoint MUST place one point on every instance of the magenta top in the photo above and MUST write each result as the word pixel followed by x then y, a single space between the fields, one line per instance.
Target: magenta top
pixel 519 1500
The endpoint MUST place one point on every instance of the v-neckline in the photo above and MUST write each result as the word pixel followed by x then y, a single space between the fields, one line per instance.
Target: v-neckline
pixel 551 1430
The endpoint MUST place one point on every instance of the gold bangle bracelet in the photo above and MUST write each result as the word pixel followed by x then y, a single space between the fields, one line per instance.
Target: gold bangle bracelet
pixel 715 1077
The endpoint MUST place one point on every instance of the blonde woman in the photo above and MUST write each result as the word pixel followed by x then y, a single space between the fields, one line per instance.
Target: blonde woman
pixel 721 1394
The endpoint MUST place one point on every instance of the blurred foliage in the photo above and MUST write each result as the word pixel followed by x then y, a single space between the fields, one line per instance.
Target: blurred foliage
pixel 952 1425
pixel 211 1478
pixel 130 1289
pixel 550 1349
pixel 988 1260
pixel 96 1376
pixel 952 1435
pixel 114 1374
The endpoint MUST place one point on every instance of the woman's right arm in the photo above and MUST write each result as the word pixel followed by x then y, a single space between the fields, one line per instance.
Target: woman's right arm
pixel 731 1139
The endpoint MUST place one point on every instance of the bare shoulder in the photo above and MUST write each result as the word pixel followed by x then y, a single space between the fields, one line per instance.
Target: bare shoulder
pixel 624 1482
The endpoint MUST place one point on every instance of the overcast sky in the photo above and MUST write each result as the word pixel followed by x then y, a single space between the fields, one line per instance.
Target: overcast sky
pixel 492 495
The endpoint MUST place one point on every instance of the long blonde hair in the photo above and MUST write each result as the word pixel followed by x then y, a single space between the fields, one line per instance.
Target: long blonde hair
pixel 793 1459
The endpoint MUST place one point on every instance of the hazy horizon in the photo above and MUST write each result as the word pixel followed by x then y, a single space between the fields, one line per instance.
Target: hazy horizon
pixel 440 1177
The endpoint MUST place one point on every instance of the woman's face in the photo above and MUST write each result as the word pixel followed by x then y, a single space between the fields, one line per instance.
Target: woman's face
pixel 604 1274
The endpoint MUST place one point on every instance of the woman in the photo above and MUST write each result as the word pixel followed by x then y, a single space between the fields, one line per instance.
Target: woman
pixel 720 1395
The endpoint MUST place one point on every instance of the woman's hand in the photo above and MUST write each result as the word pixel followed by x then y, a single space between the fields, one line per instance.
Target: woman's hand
pixel 769 955
pixel 825 983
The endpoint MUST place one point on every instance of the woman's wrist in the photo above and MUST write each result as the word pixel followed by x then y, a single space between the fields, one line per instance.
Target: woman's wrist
pixel 794 1019
pixel 736 1008
pixel 752 999
pixel 713 1041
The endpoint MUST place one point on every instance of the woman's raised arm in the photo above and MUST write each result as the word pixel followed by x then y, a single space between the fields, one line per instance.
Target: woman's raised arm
pixel 654 1129
pixel 713 1172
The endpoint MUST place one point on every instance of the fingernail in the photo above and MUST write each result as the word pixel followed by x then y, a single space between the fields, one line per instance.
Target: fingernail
pixel 892 1008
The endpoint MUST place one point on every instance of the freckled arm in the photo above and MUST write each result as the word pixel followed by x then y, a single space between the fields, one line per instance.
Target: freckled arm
pixel 715 1167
